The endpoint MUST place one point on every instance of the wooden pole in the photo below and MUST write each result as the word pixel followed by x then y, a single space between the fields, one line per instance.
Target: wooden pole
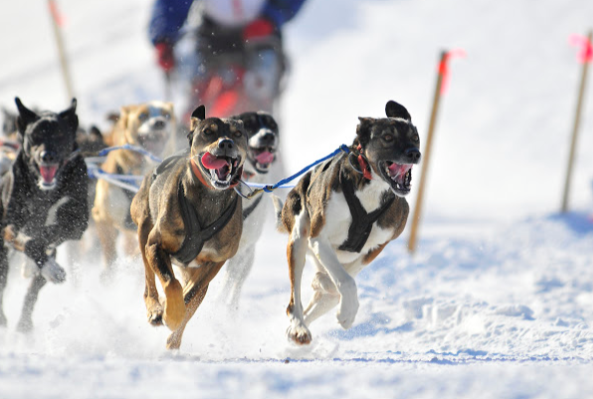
pixel 53 8
pixel 426 155
pixel 575 130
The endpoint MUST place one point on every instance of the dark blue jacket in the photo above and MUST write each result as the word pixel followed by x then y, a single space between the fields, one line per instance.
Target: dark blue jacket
pixel 168 16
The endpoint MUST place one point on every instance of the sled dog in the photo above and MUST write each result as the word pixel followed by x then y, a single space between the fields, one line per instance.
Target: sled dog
pixel 263 140
pixel 152 127
pixel 188 215
pixel 344 212
pixel 44 200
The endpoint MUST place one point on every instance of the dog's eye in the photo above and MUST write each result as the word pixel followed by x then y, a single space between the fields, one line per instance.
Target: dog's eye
pixel 207 131
pixel 388 137
pixel 416 138
pixel 238 133
pixel 143 116
pixel 166 115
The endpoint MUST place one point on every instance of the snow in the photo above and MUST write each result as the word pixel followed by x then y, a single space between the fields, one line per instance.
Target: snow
pixel 498 300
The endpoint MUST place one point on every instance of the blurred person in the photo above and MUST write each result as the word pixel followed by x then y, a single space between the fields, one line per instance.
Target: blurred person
pixel 240 60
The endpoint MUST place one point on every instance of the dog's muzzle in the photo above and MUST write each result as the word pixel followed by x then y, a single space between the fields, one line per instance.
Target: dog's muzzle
pixel 224 171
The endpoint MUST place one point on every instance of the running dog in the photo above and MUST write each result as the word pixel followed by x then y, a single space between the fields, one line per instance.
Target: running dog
pixel 262 132
pixel 44 200
pixel 188 215
pixel 344 212
pixel 152 127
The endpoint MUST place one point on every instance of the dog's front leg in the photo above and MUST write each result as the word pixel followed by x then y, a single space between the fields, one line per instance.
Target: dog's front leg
pixel 3 278
pixel 154 310
pixel 296 253
pixel 26 322
pixel 198 280
pixel 345 284
pixel 37 250
pixel 160 262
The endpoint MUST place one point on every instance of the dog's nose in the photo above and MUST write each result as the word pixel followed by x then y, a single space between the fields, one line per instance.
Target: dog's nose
pixel 412 155
pixel 226 144
pixel 268 138
pixel 158 124
pixel 48 157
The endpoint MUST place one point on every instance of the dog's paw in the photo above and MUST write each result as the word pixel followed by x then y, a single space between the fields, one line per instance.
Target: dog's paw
pixel 25 325
pixel 347 311
pixel 29 268
pixel 155 316
pixel 174 311
pixel 299 334
pixel 53 272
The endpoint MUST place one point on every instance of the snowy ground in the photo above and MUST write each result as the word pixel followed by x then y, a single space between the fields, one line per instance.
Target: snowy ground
pixel 498 301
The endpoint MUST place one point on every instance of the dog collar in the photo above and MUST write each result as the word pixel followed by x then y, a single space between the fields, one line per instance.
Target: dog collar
pixel 198 174
pixel 364 165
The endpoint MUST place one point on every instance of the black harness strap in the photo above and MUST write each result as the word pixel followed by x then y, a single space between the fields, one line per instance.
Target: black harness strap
pixel 362 222
pixel 247 211
pixel 195 235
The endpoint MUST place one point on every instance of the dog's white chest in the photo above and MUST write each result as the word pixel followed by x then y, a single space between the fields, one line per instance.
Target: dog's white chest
pixel 338 221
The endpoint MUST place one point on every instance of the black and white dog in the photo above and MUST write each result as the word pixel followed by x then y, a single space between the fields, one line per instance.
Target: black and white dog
pixel 44 200
pixel 262 131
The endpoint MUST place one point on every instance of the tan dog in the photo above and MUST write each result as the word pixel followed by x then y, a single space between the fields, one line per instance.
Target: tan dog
pixel 344 213
pixel 188 215
pixel 150 126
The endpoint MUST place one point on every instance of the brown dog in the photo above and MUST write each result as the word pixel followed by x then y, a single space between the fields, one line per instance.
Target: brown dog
pixel 344 213
pixel 188 215
pixel 150 126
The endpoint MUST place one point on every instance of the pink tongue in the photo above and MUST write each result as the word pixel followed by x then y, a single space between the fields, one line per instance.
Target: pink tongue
pixel 211 162
pixel 48 173
pixel 265 157
pixel 397 169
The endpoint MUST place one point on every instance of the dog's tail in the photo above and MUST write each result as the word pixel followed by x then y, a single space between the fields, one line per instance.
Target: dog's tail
pixel 278 212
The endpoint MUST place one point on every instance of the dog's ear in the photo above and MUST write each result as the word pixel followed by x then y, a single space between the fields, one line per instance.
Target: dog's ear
pixel 198 115
pixel 70 116
pixel 395 110
pixel 363 130
pixel 25 117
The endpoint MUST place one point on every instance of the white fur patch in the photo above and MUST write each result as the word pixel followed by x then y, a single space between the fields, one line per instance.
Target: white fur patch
pixel 52 214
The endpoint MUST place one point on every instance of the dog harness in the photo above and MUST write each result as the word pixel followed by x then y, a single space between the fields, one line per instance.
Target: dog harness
pixel 195 235
pixel 362 222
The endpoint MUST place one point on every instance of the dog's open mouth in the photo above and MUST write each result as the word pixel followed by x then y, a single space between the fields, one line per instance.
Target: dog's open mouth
pixel 398 175
pixel 223 170
pixel 48 175
pixel 263 158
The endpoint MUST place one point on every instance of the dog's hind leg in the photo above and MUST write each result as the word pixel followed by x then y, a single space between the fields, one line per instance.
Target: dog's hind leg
pixel 296 253
pixel 194 292
pixel 345 284
pixel 236 271
pixel 3 278
pixel 26 323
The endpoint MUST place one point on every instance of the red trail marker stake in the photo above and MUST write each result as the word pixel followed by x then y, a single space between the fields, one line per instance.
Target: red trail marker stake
pixel 585 57
pixel 57 23
pixel 441 87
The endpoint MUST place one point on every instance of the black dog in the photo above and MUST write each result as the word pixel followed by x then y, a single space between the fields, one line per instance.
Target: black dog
pixel 44 199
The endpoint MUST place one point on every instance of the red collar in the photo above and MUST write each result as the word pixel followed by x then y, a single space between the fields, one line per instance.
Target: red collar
pixel 198 174
pixel 364 165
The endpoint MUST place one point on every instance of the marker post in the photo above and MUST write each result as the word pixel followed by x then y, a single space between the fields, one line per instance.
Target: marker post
pixel 585 57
